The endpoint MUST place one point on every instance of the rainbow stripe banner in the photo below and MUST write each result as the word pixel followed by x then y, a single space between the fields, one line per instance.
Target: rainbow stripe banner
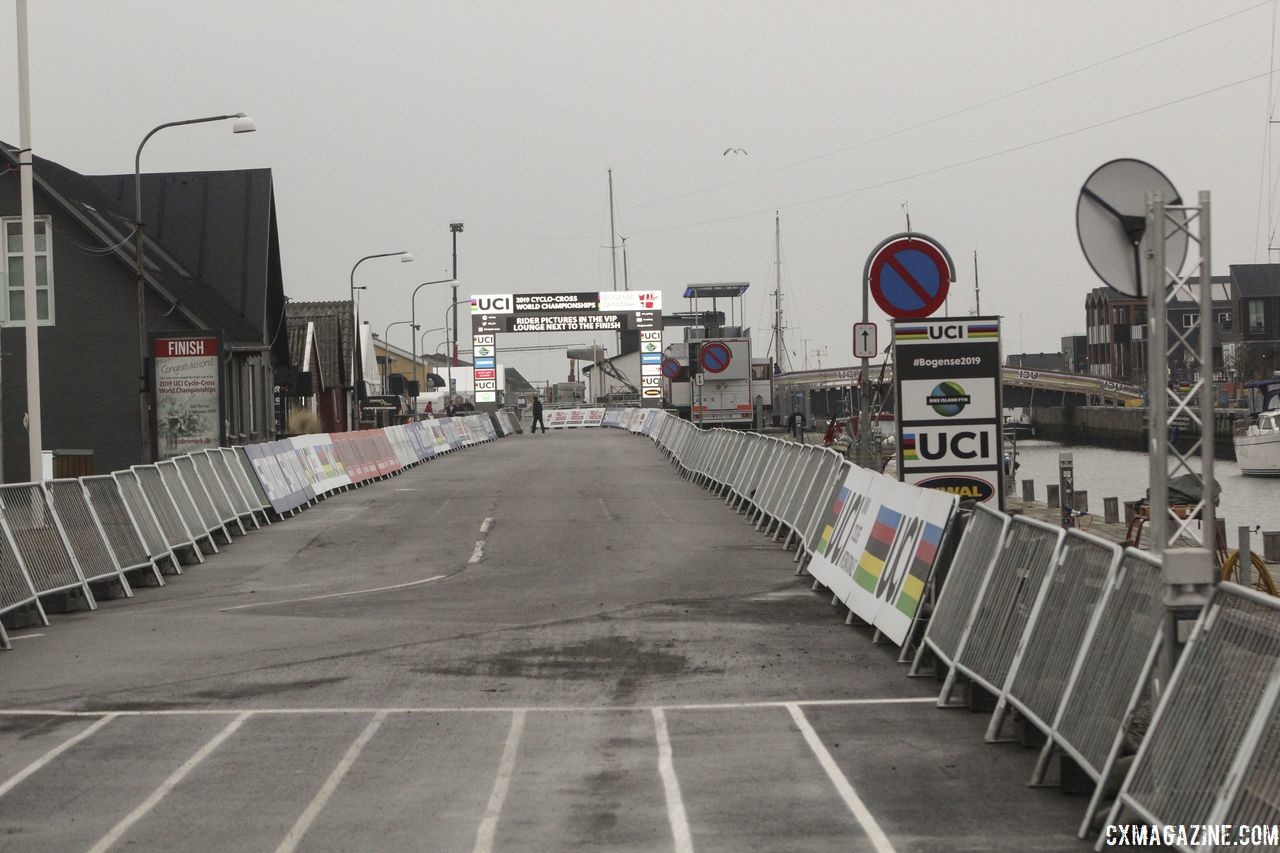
pixel 982 330
pixel 871 565
pixel 911 333
pixel 918 575
pixel 909 447
pixel 836 509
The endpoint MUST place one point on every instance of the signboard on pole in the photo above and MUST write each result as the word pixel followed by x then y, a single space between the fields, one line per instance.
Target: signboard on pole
pixel 947 383
pixel 866 340
pixel 188 401
pixel 909 276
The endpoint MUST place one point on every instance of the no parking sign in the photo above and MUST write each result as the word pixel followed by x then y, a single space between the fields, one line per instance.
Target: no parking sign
pixel 909 275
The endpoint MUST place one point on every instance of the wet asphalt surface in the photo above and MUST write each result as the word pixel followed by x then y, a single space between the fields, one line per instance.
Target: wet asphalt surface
pixel 550 642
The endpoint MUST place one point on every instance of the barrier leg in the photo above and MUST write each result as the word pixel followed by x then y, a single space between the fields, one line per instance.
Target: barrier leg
pixel 948 687
pixel 1047 752
pixel 997 723
pixel 4 638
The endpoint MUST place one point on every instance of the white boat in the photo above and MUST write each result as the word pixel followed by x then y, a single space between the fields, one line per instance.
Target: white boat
pixel 1257 440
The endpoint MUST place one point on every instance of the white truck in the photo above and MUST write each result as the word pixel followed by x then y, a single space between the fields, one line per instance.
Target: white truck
pixel 723 388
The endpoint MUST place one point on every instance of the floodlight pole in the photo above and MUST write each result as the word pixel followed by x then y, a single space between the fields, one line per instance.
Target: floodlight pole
pixel 413 317
pixel 35 440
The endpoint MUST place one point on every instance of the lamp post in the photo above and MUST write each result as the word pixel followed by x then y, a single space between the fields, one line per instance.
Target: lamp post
pixel 405 257
pixel 413 314
pixel 243 124
pixel 386 343
pixel 453 360
pixel 455 228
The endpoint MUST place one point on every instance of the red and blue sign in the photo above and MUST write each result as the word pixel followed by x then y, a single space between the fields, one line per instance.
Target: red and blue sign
pixel 909 275
pixel 715 357
pixel 671 368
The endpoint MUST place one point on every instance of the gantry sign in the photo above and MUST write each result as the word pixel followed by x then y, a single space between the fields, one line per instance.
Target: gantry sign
pixel 606 311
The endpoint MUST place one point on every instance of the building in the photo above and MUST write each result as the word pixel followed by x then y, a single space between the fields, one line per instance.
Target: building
pixel 320 340
pixel 212 266
pixel 1116 329
pixel 1253 350
pixel 1054 362
pixel 1075 352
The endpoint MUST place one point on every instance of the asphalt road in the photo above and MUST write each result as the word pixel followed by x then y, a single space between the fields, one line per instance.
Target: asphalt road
pixel 551 642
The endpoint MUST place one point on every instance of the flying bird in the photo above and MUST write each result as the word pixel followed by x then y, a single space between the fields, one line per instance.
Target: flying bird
pixel 734 150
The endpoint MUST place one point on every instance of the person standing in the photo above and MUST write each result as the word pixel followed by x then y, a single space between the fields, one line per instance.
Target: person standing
pixel 796 422
pixel 537 416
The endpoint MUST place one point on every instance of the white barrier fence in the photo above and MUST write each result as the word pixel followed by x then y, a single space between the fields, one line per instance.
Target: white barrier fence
pixel 59 537
pixel 1062 630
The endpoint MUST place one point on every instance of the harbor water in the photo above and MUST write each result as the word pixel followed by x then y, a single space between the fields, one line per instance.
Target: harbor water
pixel 1105 473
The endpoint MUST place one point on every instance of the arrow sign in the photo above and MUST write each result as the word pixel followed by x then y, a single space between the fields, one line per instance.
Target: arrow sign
pixel 865 340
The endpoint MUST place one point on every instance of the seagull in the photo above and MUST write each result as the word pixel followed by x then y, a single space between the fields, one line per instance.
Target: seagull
pixel 734 150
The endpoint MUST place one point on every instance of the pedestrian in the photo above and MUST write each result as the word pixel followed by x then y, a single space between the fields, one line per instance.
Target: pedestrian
pixel 537 416
pixel 451 408
pixel 796 422
pixel 467 406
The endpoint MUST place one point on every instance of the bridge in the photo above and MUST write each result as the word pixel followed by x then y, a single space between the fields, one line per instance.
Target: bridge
pixel 1013 377
pixel 589 638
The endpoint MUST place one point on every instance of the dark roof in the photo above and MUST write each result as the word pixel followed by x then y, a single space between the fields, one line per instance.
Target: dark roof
pixel 333 335
pixel 718 290
pixel 217 225
pixel 1037 360
pixel 254 318
pixel 1256 279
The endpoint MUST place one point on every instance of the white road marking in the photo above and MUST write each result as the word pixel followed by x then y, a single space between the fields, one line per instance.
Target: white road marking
pixel 31 768
pixel 300 828
pixel 671 786
pixel 496 709
pixel 489 825
pixel 334 594
pixel 485 525
pixel 478 554
pixel 851 799
pixel 26 637
pixel 118 831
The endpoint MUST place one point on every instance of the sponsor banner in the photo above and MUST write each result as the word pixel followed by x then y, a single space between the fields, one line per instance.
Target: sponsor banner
pixel 486 323
pixel 901 584
pixel 187 395
pixel 556 302
pixel 480 350
pixel 565 323
pixel 651 381
pixel 650 393
pixel 842 531
pixel 486 385
pixel 594 417
pixel 977 485
pixel 486 373
pixel 631 300
pixel 503 303
pixel 485 361
pixel 646 336
pixel 651 357
pixel 486 396
pixel 948 399
pixel 942 445
pixel 483 340
pixel 906 332
pixel 651 369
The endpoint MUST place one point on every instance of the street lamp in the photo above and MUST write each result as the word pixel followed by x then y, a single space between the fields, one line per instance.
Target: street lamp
pixel 386 343
pixel 453 360
pixel 405 257
pixel 243 124
pixel 455 228
pixel 413 314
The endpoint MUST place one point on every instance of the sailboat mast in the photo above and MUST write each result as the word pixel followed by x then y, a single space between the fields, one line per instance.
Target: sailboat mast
pixel 777 293
pixel 613 240
pixel 977 293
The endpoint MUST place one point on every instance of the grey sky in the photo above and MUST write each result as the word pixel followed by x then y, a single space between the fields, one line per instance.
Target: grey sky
pixel 383 121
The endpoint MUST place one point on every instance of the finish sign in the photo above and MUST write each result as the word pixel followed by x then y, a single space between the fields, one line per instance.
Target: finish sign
pixel 715 357
pixel 909 275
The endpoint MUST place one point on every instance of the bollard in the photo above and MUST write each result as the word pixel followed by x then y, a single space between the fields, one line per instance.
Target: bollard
pixel 1081 502
pixel 1244 568
pixel 1271 546
pixel 1111 510
pixel 1028 491
pixel 1066 488
pixel 1051 495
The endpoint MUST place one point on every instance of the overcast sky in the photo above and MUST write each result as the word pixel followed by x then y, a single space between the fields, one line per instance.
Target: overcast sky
pixel 383 121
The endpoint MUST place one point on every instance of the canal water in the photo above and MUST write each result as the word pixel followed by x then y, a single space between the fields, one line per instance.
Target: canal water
pixel 1105 473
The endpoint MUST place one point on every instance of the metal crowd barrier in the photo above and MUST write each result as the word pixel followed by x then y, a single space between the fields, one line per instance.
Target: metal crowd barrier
pixel 1212 753
pixel 16 588
pixel 40 543
pixel 133 549
pixel 169 513
pixel 1025 560
pixel 83 533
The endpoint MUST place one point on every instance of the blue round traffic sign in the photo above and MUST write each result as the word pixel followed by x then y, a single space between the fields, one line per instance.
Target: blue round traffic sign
pixel 715 357
pixel 671 368
pixel 909 276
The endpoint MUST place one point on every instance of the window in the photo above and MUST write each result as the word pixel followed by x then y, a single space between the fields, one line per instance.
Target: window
pixel 1257 323
pixel 13 309
pixel 1188 320
pixel 1224 320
